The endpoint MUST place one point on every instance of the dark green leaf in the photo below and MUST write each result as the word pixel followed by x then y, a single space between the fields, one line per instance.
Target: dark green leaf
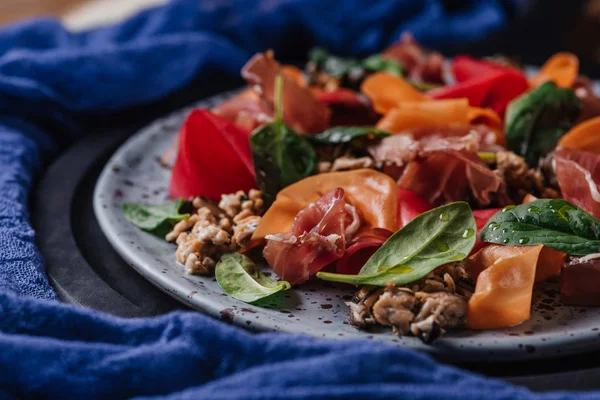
pixel 437 237
pixel 281 157
pixel 536 120
pixel 347 134
pixel 555 223
pixel 239 277
pixel 154 218
pixel 377 63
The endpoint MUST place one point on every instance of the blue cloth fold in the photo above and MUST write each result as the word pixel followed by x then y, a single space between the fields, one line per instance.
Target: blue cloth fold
pixel 50 79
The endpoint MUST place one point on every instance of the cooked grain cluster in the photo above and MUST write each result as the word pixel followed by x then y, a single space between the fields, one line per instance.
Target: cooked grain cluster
pixel 214 230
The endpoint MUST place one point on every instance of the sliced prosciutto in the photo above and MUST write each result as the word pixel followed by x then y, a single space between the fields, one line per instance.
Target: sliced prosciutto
pixel 247 110
pixel 578 175
pixel 318 237
pixel 360 249
pixel 394 152
pixel 439 169
pixel 301 111
pixel 444 176
pixel 420 65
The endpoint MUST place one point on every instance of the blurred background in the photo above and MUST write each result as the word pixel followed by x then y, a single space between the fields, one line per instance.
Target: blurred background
pixel 538 29
pixel 76 14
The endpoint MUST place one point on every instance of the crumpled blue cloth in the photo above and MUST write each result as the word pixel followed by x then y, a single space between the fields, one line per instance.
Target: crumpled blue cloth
pixel 50 80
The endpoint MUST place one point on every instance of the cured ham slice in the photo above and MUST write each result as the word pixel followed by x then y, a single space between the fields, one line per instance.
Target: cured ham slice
pixel 443 176
pixel 438 169
pixel 420 65
pixel 402 148
pixel 578 174
pixel 247 110
pixel 318 237
pixel 360 249
pixel 301 111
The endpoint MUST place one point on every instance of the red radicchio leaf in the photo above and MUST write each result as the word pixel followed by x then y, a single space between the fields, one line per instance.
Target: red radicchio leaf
pixel 483 83
pixel 213 158
pixel 410 206
pixel 318 237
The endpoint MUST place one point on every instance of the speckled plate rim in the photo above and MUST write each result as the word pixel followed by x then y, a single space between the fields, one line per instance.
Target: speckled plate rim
pixel 524 347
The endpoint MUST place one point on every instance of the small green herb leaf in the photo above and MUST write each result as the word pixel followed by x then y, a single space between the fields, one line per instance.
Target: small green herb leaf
pixel 377 63
pixel 555 223
pixel 347 134
pixel 239 277
pixel 337 67
pixel 157 219
pixel 437 237
pixel 536 120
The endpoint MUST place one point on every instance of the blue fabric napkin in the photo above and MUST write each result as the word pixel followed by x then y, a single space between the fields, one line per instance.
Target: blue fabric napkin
pixel 51 79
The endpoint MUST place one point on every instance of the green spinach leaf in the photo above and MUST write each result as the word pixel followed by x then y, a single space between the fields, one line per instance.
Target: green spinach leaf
pixel 555 223
pixel 281 156
pixel 239 277
pixel 536 120
pixel 356 135
pixel 157 219
pixel 437 237
pixel 377 63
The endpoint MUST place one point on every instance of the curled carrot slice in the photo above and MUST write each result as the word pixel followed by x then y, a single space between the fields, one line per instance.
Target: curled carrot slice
pixel 584 136
pixel 505 278
pixel 504 289
pixel 416 114
pixel 387 91
pixel 562 68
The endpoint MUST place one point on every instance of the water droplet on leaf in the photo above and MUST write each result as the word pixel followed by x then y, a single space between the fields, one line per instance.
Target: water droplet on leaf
pixel 505 240
pixel 524 240
pixel 468 233
pixel 508 208
pixel 441 245
pixel 445 217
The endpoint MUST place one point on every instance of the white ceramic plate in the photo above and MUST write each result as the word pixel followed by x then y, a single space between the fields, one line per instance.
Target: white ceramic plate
pixel 315 308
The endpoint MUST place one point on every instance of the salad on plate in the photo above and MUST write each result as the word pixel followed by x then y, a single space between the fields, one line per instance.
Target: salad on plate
pixel 440 191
